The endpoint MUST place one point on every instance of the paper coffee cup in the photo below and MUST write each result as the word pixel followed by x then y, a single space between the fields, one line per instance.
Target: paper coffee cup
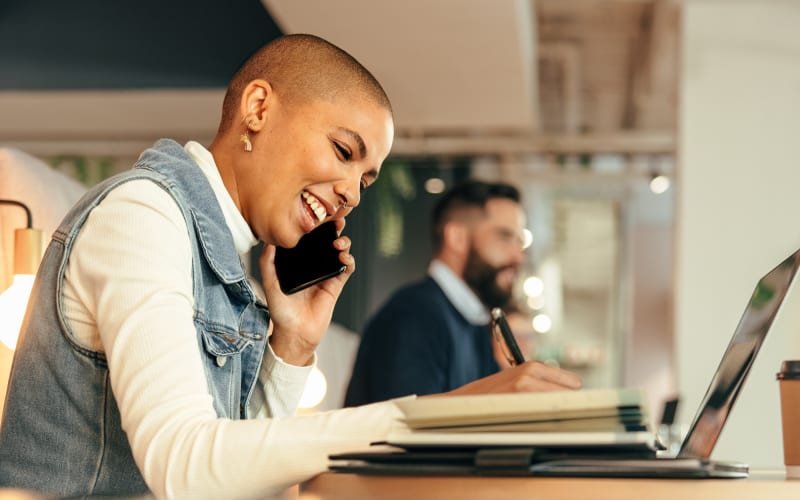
pixel 789 380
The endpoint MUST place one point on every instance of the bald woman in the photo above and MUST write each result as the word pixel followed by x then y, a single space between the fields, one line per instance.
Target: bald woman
pixel 147 363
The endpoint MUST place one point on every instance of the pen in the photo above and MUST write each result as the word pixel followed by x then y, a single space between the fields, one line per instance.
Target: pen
pixel 500 325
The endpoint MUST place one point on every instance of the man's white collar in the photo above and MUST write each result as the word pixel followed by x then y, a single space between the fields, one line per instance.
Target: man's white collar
pixel 460 295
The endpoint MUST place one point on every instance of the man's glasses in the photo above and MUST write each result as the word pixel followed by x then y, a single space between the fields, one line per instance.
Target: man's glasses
pixel 505 338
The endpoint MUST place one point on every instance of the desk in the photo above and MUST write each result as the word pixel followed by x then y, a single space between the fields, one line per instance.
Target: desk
pixel 329 486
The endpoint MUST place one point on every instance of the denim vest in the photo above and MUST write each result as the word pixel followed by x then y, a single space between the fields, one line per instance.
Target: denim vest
pixel 61 431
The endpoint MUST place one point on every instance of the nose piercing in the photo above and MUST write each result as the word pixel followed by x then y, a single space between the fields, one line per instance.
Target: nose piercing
pixel 343 206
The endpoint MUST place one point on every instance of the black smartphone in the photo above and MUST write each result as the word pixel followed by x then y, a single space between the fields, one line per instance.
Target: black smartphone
pixel 314 259
pixel 506 337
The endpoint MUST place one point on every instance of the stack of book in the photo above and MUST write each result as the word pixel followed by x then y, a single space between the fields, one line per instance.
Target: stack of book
pixel 595 415
pixel 598 410
pixel 455 434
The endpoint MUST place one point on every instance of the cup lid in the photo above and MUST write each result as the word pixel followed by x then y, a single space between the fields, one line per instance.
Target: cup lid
pixel 790 370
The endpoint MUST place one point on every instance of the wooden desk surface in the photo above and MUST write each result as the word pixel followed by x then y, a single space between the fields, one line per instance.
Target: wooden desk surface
pixel 772 486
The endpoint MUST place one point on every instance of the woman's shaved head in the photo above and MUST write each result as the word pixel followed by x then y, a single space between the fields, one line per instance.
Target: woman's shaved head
pixel 301 68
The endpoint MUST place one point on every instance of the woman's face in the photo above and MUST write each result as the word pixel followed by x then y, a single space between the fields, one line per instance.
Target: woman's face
pixel 308 160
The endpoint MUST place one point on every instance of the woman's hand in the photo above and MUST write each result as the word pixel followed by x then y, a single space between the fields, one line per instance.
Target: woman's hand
pixel 301 319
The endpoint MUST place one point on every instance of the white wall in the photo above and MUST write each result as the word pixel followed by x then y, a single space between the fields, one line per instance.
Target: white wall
pixel 738 203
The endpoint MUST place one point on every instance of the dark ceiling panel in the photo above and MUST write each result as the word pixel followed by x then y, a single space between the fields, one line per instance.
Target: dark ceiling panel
pixel 102 44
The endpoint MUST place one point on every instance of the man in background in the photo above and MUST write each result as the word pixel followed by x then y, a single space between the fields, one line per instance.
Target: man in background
pixel 432 336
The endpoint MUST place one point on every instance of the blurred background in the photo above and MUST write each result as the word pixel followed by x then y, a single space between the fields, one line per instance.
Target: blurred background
pixel 653 141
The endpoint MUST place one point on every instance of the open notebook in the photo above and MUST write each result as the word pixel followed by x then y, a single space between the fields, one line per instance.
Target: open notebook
pixel 623 454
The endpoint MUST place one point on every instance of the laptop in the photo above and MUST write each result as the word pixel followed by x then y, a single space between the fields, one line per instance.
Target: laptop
pixel 691 461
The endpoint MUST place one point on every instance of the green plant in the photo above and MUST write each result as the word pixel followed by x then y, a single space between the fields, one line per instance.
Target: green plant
pixel 396 185
pixel 86 170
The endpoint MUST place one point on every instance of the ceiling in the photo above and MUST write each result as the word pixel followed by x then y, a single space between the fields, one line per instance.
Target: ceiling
pixel 513 75
pixel 465 76
pixel 49 45
pixel 449 66
pixel 608 65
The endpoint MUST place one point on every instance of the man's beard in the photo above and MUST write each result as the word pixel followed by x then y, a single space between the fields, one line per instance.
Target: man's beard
pixel 482 279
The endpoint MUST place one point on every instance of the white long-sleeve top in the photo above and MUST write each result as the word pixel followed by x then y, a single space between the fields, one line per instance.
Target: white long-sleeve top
pixel 128 292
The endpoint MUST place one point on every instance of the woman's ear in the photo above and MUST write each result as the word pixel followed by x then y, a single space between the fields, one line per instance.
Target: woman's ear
pixel 254 103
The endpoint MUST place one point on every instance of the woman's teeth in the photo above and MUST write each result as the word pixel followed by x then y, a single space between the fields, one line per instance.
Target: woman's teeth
pixel 315 205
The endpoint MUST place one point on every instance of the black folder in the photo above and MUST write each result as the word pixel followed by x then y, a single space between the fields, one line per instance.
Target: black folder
pixel 533 462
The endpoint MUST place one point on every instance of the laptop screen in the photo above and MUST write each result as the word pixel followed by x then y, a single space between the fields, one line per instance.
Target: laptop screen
pixel 756 321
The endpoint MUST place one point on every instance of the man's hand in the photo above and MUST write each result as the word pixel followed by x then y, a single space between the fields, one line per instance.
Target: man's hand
pixel 301 319
pixel 530 376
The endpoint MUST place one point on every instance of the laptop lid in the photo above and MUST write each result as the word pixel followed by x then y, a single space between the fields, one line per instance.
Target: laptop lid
pixel 758 316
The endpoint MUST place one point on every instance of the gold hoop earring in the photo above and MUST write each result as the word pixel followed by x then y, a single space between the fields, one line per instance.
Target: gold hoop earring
pixel 245 138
